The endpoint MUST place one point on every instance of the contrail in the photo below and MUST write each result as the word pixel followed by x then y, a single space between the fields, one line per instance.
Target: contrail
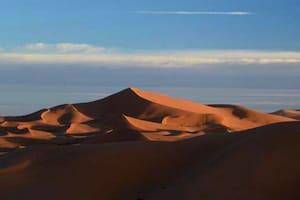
pixel 191 13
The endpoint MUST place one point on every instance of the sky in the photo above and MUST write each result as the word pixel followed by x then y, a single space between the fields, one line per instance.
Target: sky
pixel 251 43
pixel 129 24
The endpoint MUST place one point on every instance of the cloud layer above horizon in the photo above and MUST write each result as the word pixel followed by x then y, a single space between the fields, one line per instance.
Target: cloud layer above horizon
pixel 72 53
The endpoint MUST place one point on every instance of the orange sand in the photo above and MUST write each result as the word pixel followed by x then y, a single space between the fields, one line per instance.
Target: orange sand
pixel 143 145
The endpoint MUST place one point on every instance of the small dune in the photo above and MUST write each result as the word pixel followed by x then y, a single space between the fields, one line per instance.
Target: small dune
pixel 294 114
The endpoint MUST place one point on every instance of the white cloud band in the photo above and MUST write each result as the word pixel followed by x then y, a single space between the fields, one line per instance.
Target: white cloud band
pixel 62 48
pixel 68 53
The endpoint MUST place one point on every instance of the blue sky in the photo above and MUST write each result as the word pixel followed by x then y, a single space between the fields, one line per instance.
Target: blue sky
pixel 244 43
pixel 144 43
pixel 273 24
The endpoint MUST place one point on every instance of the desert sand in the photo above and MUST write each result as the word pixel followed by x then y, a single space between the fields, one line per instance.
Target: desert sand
pixel 295 114
pixel 137 144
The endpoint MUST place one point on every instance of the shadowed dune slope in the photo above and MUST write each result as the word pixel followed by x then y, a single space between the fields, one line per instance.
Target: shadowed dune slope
pixel 261 163
pixel 264 164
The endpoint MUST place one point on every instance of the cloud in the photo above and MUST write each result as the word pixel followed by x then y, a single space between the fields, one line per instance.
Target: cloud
pixel 192 13
pixel 85 54
pixel 62 48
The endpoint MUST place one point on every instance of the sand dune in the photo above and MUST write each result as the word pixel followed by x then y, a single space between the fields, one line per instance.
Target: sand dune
pixel 255 164
pixel 143 145
pixel 155 116
pixel 294 114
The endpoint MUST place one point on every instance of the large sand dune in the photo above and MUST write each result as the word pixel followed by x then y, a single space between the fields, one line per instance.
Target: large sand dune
pixel 143 145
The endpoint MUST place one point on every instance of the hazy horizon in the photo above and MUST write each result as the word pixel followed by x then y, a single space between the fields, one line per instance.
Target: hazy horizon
pixel 24 99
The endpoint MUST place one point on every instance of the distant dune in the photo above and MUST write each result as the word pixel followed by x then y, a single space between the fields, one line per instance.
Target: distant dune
pixel 294 114
pixel 143 145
